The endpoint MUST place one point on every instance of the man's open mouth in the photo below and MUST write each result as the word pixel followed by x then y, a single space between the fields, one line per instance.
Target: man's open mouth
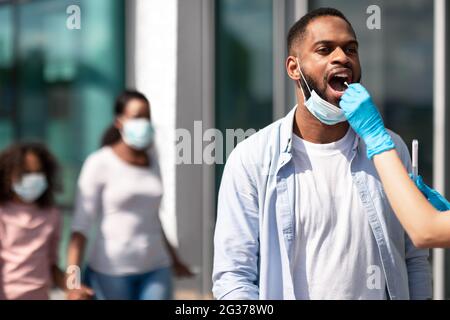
pixel 337 80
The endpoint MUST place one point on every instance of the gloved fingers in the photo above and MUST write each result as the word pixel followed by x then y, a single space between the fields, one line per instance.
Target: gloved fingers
pixel 439 198
pixel 350 95
pixel 434 197
pixel 438 201
pixel 418 182
pixel 357 90
pixel 357 87
pixel 348 98
pixel 348 107
pixel 351 91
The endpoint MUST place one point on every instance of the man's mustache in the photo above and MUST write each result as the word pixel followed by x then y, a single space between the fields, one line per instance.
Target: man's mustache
pixel 314 86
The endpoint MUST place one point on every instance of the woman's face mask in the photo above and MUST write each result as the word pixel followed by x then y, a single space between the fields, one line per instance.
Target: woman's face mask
pixel 326 112
pixel 30 187
pixel 138 133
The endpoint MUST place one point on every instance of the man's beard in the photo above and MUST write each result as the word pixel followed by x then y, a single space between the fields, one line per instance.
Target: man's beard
pixel 312 86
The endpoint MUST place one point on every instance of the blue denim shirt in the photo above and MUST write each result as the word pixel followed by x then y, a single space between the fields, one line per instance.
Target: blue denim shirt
pixel 255 229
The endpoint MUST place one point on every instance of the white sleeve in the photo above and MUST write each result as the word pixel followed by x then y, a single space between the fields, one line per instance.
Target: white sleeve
pixel 88 197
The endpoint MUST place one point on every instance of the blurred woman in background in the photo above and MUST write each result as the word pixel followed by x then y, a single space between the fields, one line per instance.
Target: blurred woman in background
pixel 119 196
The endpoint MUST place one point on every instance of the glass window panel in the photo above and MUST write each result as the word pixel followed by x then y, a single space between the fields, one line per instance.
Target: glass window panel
pixel 6 75
pixel 68 79
pixel 58 85
pixel 244 31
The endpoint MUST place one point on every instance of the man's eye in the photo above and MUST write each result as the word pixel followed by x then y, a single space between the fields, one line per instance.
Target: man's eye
pixel 352 50
pixel 323 50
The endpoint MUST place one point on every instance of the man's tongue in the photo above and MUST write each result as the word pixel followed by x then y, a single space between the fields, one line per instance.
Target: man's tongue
pixel 337 84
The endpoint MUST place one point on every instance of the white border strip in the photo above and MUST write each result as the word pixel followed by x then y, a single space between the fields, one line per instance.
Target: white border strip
pixel 439 134
pixel 279 55
pixel 208 117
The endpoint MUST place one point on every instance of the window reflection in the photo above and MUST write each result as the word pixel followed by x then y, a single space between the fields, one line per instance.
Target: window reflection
pixel 58 85
pixel 6 75
pixel 243 65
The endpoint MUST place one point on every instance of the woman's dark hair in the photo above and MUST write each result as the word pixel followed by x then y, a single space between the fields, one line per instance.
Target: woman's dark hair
pixel 12 164
pixel 112 134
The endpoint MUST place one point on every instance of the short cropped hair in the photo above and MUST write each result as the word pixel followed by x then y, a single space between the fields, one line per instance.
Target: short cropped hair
pixel 298 30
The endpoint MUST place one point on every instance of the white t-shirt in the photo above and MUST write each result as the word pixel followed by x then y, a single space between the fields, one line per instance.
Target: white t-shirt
pixel 336 256
pixel 122 201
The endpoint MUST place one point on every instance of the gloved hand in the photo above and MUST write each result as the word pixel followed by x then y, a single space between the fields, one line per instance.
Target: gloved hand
pixel 433 197
pixel 363 116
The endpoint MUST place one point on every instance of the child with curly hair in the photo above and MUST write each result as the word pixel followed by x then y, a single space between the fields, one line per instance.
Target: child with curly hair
pixel 29 223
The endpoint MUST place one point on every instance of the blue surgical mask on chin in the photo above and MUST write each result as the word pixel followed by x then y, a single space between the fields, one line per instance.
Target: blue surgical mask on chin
pixel 138 133
pixel 324 111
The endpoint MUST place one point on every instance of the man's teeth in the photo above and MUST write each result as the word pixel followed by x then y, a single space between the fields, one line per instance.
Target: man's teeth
pixel 344 77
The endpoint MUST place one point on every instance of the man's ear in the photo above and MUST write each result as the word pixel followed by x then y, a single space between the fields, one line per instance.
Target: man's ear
pixel 292 68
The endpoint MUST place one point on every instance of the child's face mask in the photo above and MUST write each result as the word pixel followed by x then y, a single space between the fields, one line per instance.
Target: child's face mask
pixel 31 186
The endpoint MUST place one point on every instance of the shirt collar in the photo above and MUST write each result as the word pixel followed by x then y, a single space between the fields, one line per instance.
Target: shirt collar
pixel 287 130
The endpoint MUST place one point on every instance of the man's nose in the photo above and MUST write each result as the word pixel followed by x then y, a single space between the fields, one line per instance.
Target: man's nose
pixel 339 57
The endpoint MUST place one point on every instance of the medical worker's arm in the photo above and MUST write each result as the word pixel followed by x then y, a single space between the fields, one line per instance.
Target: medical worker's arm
pixel 427 226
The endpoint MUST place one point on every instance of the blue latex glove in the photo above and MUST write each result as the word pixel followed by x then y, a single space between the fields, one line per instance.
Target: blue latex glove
pixel 363 116
pixel 433 197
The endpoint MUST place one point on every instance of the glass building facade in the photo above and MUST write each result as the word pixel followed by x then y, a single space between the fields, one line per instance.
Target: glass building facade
pixel 58 85
pixel 244 60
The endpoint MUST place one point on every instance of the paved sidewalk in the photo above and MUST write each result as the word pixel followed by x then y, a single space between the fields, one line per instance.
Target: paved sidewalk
pixel 184 290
